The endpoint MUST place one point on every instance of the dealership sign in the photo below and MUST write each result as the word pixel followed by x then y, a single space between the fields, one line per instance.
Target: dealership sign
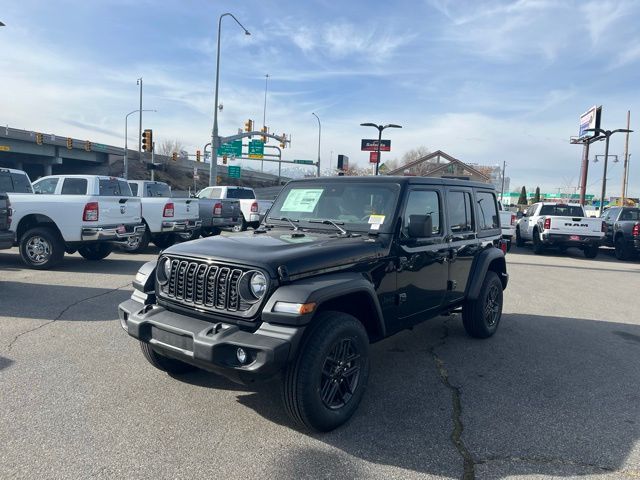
pixel 369 145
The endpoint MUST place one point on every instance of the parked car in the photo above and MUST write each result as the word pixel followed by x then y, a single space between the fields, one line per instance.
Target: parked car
pixel 252 209
pixel 68 213
pixel 217 213
pixel 164 217
pixel 6 235
pixel 560 225
pixel 623 231
pixel 339 263
pixel 508 225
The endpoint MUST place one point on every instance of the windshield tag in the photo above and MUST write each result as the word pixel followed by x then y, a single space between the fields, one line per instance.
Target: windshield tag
pixel 376 220
pixel 375 226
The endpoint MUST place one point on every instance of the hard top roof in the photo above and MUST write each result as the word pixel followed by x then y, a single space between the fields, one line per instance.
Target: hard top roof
pixel 399 179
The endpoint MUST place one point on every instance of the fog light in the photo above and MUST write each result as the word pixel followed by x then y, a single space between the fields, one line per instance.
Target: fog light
pixel 241 355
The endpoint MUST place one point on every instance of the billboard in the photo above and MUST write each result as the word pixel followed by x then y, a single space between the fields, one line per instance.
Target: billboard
pixel 371 145
pixel 590 119
pixel 343 162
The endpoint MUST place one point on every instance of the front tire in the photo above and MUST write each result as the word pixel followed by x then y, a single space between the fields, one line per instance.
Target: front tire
pixel 166 364
pixel 41 248
pixel 623 252
pixel 481 316
pixel 538 246
pixel 96 251
pixel 324 385
pixel 164 240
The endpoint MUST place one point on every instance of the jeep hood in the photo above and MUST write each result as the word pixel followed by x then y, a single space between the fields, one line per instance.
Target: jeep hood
pixel 314 252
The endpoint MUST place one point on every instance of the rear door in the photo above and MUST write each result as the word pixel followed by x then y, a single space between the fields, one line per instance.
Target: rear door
pixel 4 211
pixel 116 202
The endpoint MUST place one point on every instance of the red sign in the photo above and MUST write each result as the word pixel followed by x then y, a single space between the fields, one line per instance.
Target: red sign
pixel 373 157
pixel 371 145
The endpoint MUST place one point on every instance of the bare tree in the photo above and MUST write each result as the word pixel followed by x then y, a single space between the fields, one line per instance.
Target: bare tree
pixel 167 147
pixel 413 155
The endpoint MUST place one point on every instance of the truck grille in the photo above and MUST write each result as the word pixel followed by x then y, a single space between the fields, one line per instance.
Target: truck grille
pixel 205 286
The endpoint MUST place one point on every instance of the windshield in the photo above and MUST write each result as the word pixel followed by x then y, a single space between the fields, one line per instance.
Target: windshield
pixel 562 210
pixel 359 206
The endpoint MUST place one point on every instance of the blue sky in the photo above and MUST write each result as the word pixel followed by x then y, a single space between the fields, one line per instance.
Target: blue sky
pixel 485 81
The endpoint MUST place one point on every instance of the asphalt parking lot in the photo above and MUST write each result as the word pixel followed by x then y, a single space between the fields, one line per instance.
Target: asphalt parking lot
pixel 555 393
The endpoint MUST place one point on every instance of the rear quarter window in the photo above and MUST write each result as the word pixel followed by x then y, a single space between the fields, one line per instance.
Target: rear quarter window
pixel 113 187
pixel 487 210
pixel 74 186
pixel 14 183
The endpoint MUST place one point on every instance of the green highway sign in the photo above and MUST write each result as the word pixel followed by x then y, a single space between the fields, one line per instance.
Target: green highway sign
pixel 231 149
pixel 234 171
pixel 304 162
pixel 256 149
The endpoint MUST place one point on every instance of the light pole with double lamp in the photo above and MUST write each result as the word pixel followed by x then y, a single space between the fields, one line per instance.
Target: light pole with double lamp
pixel 380 129
pixel 606 134
pixel 319 133
pixel 126 158
pixel 215 140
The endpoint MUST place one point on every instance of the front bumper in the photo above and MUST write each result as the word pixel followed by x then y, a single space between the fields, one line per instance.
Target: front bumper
pixel 112 233
pixel 6 239
pixel 180 226
pixel 571 240
pixel 210 345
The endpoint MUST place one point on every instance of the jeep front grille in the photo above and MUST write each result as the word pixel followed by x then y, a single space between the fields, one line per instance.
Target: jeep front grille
pixel 205 286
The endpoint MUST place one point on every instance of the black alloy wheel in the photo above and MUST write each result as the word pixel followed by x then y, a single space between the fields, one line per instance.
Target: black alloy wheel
pixel 340 374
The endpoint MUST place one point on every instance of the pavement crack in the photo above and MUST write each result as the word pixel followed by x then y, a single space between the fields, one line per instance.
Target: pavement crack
pixel 458 427
pixel 541 460
pixel 64 310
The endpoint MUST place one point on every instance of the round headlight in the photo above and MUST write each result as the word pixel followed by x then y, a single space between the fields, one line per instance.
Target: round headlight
pixel 164 271
pixel 258 285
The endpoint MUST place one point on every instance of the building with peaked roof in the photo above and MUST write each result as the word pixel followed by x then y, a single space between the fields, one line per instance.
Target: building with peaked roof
pixel 441 164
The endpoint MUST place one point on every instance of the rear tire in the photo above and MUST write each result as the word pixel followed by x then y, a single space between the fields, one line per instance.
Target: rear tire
pixel 623 250
pixel 519 240
pixel 481 316
pixel 538 246
pixel 96 251
pixel 166 364
pixel 324 385
pixel 164 240
pixel 591 251
pixel 139 245
pixel 41 248
pixel 242 226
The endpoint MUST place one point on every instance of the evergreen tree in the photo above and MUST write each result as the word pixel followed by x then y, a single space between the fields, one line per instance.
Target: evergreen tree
pixel 536 197
pixel 523 196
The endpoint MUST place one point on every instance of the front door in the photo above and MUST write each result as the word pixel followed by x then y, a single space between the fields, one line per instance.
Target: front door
pixel 422 262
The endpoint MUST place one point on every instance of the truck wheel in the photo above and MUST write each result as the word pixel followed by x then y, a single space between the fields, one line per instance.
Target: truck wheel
pixel 164 241
pixel 137 244
pixel 538 246
pixel 166 364
pixel 481 316
pixel 323 386
pixel 242 226
pixel 591 251
pixel 41 248
pixel 209 232
pixel 96 251
pixel 188 236
pixel 623 252
pixel 519 240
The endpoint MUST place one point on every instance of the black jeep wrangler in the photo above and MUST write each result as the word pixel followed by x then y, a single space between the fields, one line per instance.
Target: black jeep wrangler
pixel 338 263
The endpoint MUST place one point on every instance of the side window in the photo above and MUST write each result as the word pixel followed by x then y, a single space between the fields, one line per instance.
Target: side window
pixel 134 188
pixel 531 211
pixel 46 186
pixel 487 210
pixel 423 202
pixel 74 186
pixel 459 212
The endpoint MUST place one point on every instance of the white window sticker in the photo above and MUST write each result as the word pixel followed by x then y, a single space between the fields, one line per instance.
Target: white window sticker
pixel 302 200
pixel 376 219
pixel 375 226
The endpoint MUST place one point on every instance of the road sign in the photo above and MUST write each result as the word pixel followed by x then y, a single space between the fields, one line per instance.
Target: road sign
pixel 234 171
pixel 371 145
pixel 232 149
pixel 256 149
pixel 373 157
pixel 304 162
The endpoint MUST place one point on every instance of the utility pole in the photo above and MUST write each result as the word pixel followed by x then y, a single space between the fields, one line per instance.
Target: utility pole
pixel 319 135
pixel 153 164
pixel 264 111
pixel 626 160
pixel 140 123
pixel 504 166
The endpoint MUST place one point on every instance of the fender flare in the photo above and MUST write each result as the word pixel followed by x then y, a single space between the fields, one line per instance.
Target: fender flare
pixel 319 290
pixel 480 268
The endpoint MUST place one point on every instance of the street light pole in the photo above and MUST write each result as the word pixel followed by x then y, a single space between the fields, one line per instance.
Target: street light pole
pixel 264 112
pixel 126 157
pixel 215 139
pixel 319 135
pixel 380 129
pixel 139 82
pixel 504 166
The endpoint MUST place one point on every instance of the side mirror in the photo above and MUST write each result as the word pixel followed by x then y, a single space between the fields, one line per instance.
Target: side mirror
pixel 521 214
pixel 420 226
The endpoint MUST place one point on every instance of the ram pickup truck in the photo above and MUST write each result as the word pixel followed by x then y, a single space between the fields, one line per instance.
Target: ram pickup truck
pixel 623 231
pixel 217 213
pixel 6 235
pixel 164 217
pixel 339 263
pixel 252 209
pixel 508 225
pixel 560 225
pixel 68 213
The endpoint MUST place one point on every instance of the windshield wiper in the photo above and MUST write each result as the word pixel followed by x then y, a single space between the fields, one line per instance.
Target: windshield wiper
pixel 285 219
pixel 335 224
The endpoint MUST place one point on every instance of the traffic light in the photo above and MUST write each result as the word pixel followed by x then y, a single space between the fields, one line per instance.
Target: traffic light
pixel 248 126
pixel 87 145
pixel 39 138
pixel 69 143
pixel 147 140
pixel 224 159
pixel 174 156
pixel 265 129
pixel 283 142
pixel 197 155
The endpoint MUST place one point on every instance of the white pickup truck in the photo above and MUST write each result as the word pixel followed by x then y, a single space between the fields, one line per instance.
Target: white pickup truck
pixel 69 213
pixel 252 209
pixel 560 225
pixel 164 217
pixel 508 225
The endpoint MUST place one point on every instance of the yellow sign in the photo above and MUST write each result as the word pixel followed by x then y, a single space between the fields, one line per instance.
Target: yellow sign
pixel 5 148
